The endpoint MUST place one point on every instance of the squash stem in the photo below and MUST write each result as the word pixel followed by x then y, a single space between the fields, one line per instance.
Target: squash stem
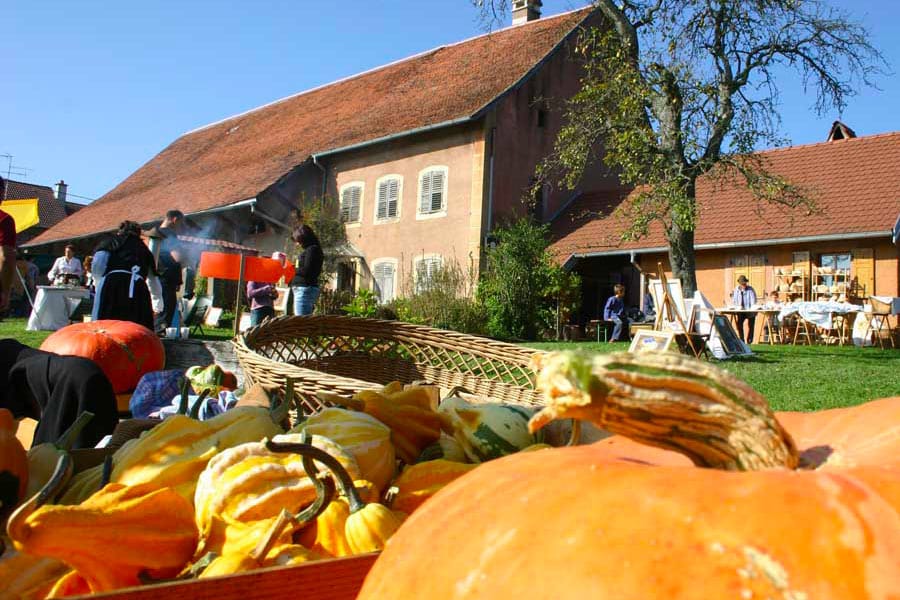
pixel 15 526
pixel 344 481
pixel 68 438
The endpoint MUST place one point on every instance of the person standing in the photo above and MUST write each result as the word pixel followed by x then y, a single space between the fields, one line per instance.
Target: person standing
pixel 305 284
pixel 88 275
pixel 615 311
pixel 169 267
pixel 66 268
pixel 124 273
pixel 7 256
pixel 262 299
pixel 744 298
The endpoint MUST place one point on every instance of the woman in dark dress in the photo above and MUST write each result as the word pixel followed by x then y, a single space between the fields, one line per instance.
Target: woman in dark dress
pixel 124 272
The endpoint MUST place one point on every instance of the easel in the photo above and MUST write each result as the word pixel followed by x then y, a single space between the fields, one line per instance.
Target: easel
pixel 667 306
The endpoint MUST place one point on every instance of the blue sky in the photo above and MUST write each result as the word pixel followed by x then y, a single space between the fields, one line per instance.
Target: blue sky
pixel 94 89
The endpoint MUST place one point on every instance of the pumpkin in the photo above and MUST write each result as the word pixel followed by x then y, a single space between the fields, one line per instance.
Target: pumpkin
pixel 326 534
pixel 42 458
pixel 421 481
pixel 212 378
pixel 369 525
pixel 26 577
pixel 606 521
pixel 486 431
pixel 409 413
pixel 362 435
pixel 250 482
pixel 13 464
pixel 123 350
pixel 111 537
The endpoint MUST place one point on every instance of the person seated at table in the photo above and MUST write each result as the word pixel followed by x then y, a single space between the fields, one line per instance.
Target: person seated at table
pixel 54 390
pixel 124 272
pixel 744 298
pixel 615 311
pixel 66 268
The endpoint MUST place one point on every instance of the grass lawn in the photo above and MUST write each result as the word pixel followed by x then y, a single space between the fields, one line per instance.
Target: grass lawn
pixel 801 377
pixel 791 377
pixel 15 328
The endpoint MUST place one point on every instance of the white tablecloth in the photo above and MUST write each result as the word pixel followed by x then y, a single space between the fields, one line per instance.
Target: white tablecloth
pixel 819 313
pixel 53 306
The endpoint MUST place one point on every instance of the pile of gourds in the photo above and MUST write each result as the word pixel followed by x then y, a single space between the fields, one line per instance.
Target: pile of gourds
pixel 193 498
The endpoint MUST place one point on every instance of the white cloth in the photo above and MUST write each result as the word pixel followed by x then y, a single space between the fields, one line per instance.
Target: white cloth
pixel 53 306
pixel 818 313
pixel 64 266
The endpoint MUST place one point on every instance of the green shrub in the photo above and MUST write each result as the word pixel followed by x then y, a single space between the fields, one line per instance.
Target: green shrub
pixel 523 291
pixel 364 304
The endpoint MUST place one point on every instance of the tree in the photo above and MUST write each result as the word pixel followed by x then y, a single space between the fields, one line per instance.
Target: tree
pixel 678 89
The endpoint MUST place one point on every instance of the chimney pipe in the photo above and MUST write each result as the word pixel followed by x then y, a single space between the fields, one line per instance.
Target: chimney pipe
pixel 525 11
pixel 61 190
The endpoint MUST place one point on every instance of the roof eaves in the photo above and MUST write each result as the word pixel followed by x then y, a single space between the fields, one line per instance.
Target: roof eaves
pixel 393 136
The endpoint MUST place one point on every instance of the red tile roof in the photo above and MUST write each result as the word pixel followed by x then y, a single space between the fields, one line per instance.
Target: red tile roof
pixel 239 157
pixel 855 183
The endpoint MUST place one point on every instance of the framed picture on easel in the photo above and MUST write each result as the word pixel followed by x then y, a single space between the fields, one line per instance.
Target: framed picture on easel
pixel 677 297
pixel 646 340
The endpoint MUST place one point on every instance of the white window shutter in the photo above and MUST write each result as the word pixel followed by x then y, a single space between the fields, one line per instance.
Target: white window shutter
pixel 382 200
pixel 425 198
pixel 350 200
pixel 437 191
pixel 384 281
pixel 393 196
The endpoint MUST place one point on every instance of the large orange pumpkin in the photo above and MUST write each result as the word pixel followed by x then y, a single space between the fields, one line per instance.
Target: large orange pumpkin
pixel 124 350
pixel 622 520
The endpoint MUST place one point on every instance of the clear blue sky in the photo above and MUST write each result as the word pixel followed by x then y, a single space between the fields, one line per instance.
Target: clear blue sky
pixel 93 89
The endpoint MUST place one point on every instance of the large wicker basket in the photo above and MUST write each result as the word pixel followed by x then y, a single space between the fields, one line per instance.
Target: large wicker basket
pixel 343 355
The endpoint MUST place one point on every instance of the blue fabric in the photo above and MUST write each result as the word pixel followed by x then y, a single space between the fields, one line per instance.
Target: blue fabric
pixel 305 297
pixel 615 307
pixel 153 391
pixel 620 330
pixel 209 408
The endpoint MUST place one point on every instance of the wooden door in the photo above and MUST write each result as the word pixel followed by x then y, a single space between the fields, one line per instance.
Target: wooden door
pixel 862 269
pixel 753 267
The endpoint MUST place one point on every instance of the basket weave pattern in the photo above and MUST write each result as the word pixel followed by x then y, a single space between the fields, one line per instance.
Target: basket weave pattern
pixel 343 355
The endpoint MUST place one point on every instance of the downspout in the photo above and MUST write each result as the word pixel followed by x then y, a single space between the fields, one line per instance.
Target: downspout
pixel 322 168
pixel 490 206
pixel 632 259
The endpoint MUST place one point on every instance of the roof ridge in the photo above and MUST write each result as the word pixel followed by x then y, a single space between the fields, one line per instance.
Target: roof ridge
pixel 379 68
pixel 8 181
pixel 858 138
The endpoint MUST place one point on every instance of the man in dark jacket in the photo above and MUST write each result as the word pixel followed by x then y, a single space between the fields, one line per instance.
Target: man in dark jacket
pixel 169 267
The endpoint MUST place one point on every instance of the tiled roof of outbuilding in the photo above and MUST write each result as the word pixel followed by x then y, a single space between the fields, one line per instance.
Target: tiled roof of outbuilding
pixel 855 183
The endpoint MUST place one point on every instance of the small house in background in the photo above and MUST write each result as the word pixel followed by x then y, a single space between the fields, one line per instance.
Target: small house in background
pixel 421 157
pixel 842 249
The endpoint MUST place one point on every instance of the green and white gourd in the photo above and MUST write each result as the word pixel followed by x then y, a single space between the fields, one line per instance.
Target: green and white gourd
pixel 490 430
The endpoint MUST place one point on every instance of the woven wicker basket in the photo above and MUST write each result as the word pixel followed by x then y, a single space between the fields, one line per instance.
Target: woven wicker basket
pixel 343 355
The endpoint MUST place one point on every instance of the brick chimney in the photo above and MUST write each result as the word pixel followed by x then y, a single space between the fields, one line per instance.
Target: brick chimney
pixel 524 11
pixel 61 191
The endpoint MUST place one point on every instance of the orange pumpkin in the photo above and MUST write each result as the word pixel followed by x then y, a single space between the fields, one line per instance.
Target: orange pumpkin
pixel 13 464
pixel 124 350
pixel 620 520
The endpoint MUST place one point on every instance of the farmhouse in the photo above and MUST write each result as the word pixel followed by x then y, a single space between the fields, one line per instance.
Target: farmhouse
pixel 846 246
pixel 422 157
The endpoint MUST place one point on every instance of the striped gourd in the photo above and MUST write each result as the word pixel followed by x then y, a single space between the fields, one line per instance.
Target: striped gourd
pixel 489 430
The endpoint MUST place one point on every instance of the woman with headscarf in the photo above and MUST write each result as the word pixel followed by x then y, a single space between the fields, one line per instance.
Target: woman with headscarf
pixel 305 284
pixel 124 275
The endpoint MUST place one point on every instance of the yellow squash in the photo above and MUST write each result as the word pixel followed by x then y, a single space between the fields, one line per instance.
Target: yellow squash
pixel 112 537
pixel 26 577
pixel 360 434
pixel 421 481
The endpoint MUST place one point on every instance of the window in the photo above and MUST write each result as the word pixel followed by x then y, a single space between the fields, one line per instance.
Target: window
pixel 433 191
pixel 351 202
pixel 384 273
pixel 835 262
pixel 426 268
pixel 346 277
pixel 388 204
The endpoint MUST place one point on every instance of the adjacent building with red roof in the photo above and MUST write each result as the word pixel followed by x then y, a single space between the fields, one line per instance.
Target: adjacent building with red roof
pixel 853 181
pixel 422 156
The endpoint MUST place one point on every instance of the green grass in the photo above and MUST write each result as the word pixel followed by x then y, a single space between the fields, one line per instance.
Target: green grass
pixel 15 328
pixel 791 377
pixel 801 377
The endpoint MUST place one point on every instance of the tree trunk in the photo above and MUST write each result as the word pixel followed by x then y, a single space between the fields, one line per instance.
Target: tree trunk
pixel 681 257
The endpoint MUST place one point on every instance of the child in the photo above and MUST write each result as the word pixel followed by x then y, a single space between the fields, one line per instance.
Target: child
pixel 262 299
pixel 615 311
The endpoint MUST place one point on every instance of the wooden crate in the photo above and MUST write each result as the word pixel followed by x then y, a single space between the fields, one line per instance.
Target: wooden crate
pixel 337 579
